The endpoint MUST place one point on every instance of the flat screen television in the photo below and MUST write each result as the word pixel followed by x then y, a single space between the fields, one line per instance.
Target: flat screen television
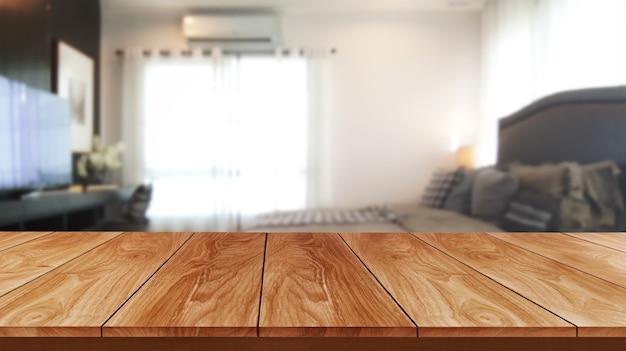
pixel 35 139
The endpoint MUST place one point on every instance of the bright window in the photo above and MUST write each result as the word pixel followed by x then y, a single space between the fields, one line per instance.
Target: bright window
pixel 226 137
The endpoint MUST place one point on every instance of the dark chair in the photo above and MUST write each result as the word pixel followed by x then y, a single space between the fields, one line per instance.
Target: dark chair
pixel 133 218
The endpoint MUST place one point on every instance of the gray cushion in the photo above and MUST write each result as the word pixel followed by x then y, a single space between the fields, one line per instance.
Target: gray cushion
pixel 542 202
pixel 460 198
pixel 491 194
pixel 525 218
pixel 556 180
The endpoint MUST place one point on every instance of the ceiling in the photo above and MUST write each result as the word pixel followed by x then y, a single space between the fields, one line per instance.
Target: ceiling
pixel 296 5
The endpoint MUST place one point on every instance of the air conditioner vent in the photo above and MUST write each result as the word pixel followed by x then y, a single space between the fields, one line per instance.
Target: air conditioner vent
pixel 229 31
pixel 230 40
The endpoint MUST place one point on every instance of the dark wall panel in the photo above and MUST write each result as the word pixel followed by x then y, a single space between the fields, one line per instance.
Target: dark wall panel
pixel 77 22
pixel 25 41
pixel 28 29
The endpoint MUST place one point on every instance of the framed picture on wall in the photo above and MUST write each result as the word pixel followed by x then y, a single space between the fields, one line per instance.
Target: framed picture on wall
pixel 73 79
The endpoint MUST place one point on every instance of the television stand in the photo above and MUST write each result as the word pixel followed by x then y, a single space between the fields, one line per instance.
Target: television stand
pixel 61 210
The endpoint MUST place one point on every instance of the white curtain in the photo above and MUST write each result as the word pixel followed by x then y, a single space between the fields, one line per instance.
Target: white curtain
pixel 222 138
pixel 319 104
pixel 533 48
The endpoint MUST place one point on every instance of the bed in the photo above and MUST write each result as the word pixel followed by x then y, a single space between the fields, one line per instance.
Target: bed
pixel 575 138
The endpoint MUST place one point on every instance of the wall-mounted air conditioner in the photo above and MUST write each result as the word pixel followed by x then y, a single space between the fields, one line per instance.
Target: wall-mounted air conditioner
pixel 240 31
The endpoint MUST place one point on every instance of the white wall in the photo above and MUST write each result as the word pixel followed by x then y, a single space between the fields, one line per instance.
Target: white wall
pixel 404 84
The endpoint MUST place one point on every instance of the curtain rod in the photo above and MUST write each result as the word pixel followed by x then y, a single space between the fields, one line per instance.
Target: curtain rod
pixel 208 52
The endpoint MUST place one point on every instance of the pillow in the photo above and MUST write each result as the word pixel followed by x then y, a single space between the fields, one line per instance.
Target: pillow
pixel 491 193
pixel 138 204
pixel 556 180
pixel 520 217
pixel 460 198
pixel 440 185
pixel 575 215
pixel 531 211
pixel 602 189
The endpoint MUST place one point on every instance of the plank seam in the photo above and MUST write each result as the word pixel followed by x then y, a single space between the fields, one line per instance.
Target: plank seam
pixel 381 284
pixel 25 242
pixel 145 282
pixel 497 282
pixel 593 242
pixel 548 258
pixel 61 265
pixel 258 319
pixel 559 262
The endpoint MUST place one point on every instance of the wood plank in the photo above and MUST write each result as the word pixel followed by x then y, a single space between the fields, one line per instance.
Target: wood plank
pixel 315 286
pixel 595 306
pixel 615 241
pixel 446 298
pixel 10 239
pixel 23 263
pixel 600 261
pixel 211 287
pixel 76 299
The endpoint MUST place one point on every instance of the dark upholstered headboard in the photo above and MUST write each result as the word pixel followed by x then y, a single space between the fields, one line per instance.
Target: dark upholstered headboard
pixel 580 125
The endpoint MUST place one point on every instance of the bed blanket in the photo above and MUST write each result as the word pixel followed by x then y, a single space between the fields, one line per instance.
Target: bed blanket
pixel 370 214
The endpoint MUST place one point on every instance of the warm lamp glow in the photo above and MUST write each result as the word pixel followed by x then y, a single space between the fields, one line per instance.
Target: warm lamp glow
pixel 466 156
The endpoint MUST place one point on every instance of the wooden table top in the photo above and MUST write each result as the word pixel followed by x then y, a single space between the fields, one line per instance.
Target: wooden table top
pixel 312 285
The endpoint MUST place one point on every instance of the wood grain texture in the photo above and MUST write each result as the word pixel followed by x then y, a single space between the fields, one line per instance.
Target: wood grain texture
pixel 595 306
pixel 10 239
pixel 211 287
pixel 76 299
pixel 600 261
pixel 616 241
pixel 21 264
pixel 314 285
pixel 446 298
